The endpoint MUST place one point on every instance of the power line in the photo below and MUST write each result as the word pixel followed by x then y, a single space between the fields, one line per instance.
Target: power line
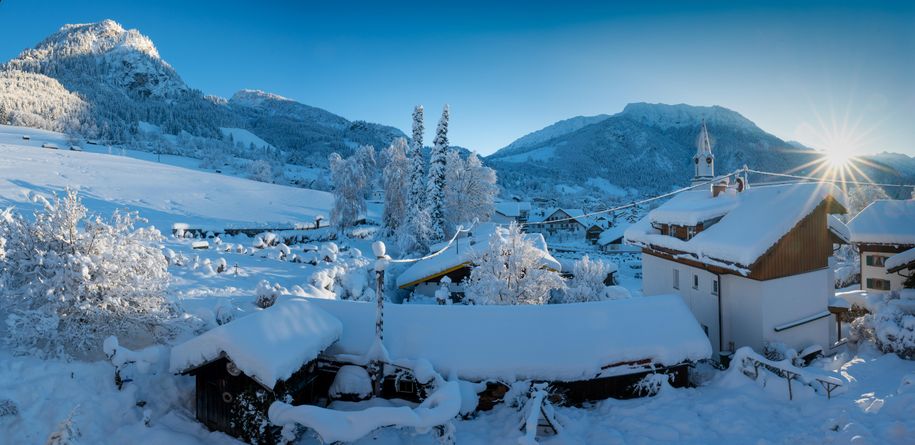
pixel 835 181
pixel 644 201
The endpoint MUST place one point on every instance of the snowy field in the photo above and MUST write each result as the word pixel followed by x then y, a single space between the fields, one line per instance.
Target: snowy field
pixel 81 398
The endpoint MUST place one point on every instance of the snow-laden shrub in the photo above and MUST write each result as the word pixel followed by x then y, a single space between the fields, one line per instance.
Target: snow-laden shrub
pixel 69 280
pixel 589 283
pixel 891 325
pixel 267 294
pixel 510 271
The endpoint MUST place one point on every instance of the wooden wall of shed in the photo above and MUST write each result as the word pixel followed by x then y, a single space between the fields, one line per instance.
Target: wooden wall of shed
pixel 807 247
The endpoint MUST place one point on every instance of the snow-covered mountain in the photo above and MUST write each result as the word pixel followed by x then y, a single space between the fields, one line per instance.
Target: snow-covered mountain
pixel 646 148
pixel 558 129
pixel 102 81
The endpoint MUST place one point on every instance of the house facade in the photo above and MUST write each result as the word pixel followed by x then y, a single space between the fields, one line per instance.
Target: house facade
pixel 883 229
pixel 753 264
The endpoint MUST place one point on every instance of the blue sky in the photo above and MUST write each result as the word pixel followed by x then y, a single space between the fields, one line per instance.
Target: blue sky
pixel 837 74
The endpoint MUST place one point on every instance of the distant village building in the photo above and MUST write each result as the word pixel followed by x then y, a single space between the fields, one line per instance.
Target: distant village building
pixel 507 212
pixel 565 223
pixel 753 264
pixel 883 229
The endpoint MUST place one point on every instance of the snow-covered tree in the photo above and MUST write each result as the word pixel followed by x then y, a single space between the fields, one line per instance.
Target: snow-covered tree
pixel 396 185
pixel 511 271
pixel 470 190
pixel 350 182
pixel 365 156
pixel 417 220
pixel 70 280
pixel 261 170
pixel 435 185
pixel 589 283
pixel 862 196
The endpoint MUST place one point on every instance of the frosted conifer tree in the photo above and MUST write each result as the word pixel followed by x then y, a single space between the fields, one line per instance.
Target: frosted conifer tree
pixel 511 271
pixel 470 190
pixel 435 185
pixel 396 177
pixel 417 221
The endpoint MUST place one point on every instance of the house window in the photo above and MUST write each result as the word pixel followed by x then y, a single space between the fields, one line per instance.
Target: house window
pixel 695 281
pixel 875 260
pixel 714 286
pixel 676 278
pixel 878 284
pixel 690 232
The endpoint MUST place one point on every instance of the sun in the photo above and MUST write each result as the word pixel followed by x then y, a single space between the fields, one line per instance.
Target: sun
pixel 837 159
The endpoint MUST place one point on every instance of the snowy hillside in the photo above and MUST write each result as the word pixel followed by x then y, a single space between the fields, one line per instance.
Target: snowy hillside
pixel 164 194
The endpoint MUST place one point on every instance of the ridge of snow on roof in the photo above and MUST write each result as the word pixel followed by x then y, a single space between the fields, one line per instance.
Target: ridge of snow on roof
pixel 900 260
pixel 512 209
pixel 566 342
pixel 885 221
pixel 754 221
pixel 466 250
pixel 839 228
pixel 269 345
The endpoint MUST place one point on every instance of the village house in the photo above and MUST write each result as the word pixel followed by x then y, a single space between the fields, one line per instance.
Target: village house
pixel 507 212
pixel 881 230
pixel 567 225
pixel 426 276
pixel 753 264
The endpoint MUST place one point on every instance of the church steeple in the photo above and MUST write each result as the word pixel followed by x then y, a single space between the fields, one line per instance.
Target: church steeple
pixel 704 160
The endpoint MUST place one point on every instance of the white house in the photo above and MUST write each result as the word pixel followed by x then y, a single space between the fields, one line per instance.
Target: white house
pixel 751 263
pixel 508 211
pixel 881 230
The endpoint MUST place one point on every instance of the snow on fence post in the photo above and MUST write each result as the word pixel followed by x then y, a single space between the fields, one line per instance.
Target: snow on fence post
pixel 381 262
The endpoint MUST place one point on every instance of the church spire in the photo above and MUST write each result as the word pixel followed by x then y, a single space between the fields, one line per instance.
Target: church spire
pixel 704 160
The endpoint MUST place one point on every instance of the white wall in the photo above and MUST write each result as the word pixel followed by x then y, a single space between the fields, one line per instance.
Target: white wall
pixel 657 279
pixel 750 309
pixel 878 272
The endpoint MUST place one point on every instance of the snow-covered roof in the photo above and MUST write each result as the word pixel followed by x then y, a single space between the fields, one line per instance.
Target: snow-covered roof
pixel 900 260
pixel 512 209
pixel 751 221
pixel 839 229
pixel 551 342
pixel 576 214
pixel 612 234
pixel 269 345
pixel 885 221
pixel 463 252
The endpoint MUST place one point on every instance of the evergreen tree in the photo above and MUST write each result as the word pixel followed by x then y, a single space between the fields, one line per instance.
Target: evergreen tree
pixel 417 187
pixel 435 184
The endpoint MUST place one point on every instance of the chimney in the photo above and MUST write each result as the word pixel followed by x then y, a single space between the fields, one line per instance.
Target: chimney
pixel 719 187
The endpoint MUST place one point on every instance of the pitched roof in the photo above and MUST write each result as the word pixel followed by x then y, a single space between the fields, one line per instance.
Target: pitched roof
pixel 515 345
pixel 839 230
pixel 576 214
pixel 751 221
pixel 462 253
pixel 902 260
pixel 267 346
pixel 885 221
pixel 512 209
